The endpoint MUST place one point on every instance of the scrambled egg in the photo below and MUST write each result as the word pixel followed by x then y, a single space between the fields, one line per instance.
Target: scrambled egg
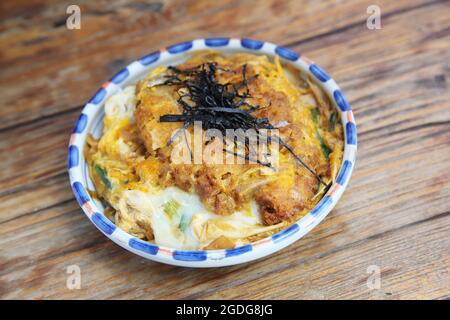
pixel 200 206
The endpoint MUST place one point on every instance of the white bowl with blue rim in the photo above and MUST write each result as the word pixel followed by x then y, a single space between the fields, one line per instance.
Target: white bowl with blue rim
pixel 91 121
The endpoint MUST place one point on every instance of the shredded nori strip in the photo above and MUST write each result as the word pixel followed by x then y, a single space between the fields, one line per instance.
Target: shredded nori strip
pixel 219 106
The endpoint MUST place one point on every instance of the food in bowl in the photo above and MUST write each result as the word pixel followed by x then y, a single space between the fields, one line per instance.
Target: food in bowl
pixel 148 171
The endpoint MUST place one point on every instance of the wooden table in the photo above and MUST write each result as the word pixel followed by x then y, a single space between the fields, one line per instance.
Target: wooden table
pixel 394 215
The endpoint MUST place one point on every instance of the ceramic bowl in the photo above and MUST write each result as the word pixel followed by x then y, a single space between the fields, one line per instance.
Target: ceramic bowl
pixel 91 118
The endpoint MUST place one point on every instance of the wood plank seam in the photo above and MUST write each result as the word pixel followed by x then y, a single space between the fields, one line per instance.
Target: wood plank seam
pixel 204 293
pixel 289 45
pixel 362 22
pixel 53 206
pixel 404 130
pixel 43 117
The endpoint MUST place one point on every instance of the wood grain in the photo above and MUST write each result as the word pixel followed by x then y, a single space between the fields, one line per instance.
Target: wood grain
pixel 394 213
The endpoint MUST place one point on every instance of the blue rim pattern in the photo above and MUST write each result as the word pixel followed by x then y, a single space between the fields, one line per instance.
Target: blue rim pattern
pixel 74 157
pixel 120 76
pixel 287 53
pixel 103 223
pixel 251 44
pixel 81 123
pixel 217 42
pixel 143 246
pixel 150 58
pixel 322 205
pixel 180 47
pixel 319 73
pixel 341 100
pixel 184 255
pixel 98 96
pixel 238 251
pixel 192 257
pixel 80 193
pixel 285 233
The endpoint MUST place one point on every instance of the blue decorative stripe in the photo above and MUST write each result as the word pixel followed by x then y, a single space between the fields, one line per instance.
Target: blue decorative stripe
pixel 73 157
pixel 120 76
pixel 319 73
pixel 150 58
pixel 189 255
pixel 251 44
pixel 286 53
pixel 285 233
pixel 217 42
pixel 238 251
pixel 345 171
pixel 322 205
pixel 98 96
pixel 80 193
pixel 341 100
pixel 81 123
pixel 143 246
pixel 351 133
pixel 180 47
pixel 103 223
